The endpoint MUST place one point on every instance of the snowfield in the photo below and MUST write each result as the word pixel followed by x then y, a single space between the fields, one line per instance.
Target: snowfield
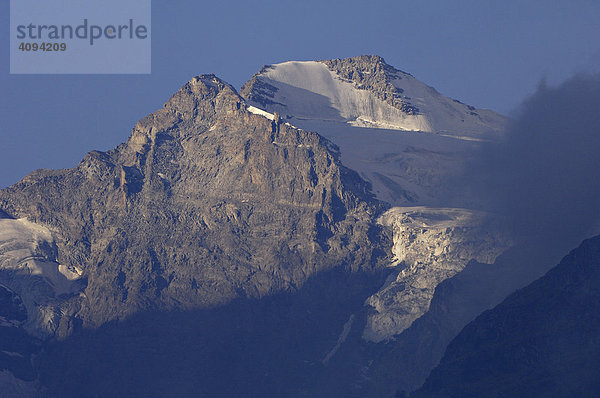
pixel 311 91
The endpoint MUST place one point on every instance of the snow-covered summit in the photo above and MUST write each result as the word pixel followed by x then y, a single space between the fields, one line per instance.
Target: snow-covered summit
pixel 365 92
pixel 399 134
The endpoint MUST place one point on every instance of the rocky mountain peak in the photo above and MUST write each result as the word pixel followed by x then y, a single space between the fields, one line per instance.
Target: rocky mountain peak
pixel 371 72
pixel 198 101
pixel 165 217
pixel 365 58
pixel 201 88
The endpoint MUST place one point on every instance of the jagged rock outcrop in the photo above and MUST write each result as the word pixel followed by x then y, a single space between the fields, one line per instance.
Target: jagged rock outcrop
pixel 430 246
pixel 541 341
pixel 371 72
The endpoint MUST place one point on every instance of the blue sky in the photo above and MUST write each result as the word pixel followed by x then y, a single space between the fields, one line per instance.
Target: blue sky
pixel 488 54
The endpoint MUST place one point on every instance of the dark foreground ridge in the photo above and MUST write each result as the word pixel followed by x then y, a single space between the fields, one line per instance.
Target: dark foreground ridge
pixel 541 341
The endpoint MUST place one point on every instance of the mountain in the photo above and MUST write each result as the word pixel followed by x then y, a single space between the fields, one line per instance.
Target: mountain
pixel 177 217
pixel 281 241
pixel 541 341
pixel 399 134
pixel 206 203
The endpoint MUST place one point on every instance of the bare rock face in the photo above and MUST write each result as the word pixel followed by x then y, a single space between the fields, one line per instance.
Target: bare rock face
pixel 206 202
pixel 430 246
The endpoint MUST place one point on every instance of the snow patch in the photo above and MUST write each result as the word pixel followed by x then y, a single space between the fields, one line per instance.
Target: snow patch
pixel 26 248
pixel 446 115
pixel 12 354
pixel 258 111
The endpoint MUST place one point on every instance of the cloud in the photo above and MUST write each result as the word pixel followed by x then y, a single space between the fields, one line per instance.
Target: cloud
pixel 545 176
